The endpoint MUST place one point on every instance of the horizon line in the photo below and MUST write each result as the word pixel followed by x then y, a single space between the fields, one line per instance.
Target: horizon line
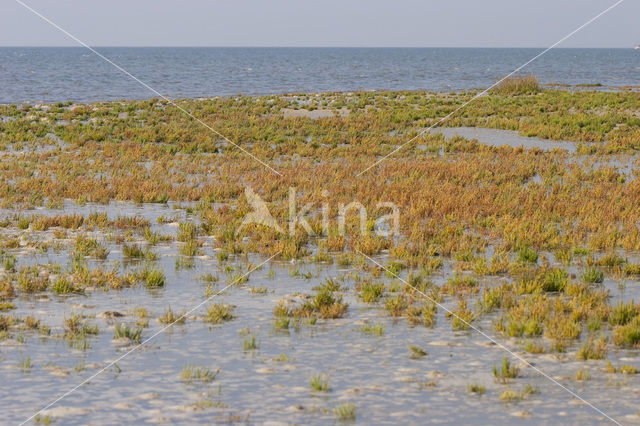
pixel 312 47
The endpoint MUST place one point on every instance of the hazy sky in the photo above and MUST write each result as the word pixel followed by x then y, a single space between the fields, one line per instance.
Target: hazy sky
pixel 446 23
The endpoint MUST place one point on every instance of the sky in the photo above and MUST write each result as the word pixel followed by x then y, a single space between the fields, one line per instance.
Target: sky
pixel 357 23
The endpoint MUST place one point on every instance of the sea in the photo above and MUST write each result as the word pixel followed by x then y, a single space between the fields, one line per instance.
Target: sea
pixel 61 74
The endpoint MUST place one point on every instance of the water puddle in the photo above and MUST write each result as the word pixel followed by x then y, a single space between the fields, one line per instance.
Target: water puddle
pixel 499 137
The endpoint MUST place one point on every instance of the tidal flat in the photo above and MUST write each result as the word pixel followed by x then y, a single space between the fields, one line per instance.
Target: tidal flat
pixel 118 218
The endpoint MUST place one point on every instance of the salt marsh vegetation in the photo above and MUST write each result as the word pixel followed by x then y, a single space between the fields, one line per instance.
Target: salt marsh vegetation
pixel 136 218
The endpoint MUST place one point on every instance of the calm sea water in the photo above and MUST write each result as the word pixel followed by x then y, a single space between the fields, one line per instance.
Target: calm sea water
pixel 76 74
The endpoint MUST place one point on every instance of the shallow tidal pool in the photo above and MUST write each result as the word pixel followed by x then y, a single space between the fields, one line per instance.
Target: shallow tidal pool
pixel 375 368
